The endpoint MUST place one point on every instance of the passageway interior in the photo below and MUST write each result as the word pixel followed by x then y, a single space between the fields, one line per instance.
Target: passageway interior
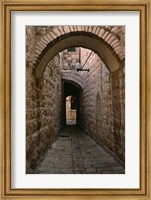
pixel 74 152
pixel 75 105
pixel 72 93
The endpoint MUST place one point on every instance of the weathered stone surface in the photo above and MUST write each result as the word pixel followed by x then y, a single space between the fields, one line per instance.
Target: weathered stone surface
pixel 102 100
pixel 43 110
pixel 77 153
pixel 98 117
pixel 110 35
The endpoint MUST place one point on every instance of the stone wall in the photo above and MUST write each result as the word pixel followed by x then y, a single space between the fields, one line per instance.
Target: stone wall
pixel 118 101
pixel 70 58
pixel 44 111
pixel 102 104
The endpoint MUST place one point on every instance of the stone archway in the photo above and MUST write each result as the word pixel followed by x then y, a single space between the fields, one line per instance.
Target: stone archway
pixel 73 77
pixel 105 43
pixel 72 89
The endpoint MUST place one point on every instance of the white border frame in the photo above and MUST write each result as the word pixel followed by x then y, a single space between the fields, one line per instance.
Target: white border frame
pixel 131 177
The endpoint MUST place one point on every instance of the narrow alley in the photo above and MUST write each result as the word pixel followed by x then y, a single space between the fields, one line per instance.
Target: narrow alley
pixel 75 99
pixel 74 152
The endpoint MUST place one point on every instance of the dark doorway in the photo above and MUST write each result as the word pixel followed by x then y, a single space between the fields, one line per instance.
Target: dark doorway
pixel 71 110
pixel 72 93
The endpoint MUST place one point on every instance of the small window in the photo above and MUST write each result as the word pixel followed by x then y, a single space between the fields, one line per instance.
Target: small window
pixel 72 49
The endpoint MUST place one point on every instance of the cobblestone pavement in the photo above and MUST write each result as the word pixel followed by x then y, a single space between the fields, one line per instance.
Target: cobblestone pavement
pixel 76 153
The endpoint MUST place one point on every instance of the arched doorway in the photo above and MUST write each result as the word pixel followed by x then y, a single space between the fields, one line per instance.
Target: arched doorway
pixel 71 110
pixel 72 93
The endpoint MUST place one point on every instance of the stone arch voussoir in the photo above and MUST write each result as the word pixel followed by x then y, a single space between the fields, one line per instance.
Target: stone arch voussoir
pixel 74 77
pixel 109 37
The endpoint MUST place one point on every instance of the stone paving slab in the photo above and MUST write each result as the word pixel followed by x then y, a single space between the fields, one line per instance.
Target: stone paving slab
pixel 74 152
